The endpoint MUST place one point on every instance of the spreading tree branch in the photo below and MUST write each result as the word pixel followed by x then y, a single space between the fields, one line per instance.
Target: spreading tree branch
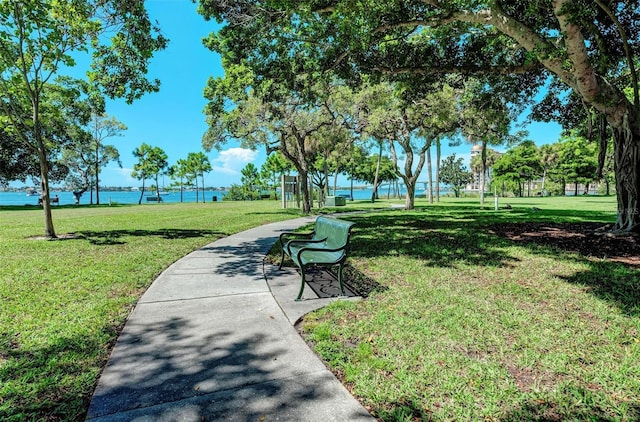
pixel 627 50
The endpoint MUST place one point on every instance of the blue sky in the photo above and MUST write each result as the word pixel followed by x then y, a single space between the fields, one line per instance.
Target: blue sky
pixel 172 119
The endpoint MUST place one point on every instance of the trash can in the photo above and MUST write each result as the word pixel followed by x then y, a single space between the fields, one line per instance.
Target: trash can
pixel 335 201
pixel 215 198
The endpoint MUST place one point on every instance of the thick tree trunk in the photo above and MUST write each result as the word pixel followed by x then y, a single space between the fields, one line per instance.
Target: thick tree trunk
pixel 96 169
pixel 409 202
pixel 521 189
pixel 50 231
pixel 438 154
pixel 304 187
pixel 203 192
pixel 374 194
pixel 141 193
pixel 430 176
pixel 627 170
pixel 484 173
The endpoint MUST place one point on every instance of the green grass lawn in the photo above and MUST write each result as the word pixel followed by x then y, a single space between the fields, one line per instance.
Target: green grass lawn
pixel 469 326
pixel 63 302
pixel 466 326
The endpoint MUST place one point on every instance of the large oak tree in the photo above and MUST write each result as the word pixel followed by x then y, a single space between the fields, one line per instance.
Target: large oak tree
pixel 587 46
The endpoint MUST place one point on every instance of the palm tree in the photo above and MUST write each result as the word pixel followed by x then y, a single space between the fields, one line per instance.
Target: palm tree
pixel 198 164
pixel 152 161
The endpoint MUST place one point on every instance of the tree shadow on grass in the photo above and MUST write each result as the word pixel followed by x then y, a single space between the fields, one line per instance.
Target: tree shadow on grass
pixel 529 410
pixel 117 237
pixel 612 282
pixel 44 397
pixel 544 410
pixel 440 242
pixel 295 212
pixel 452 238
pixel 613 263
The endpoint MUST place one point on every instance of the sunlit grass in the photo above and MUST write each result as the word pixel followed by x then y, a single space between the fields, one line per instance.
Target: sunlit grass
pixel 470 326
pixel 64 301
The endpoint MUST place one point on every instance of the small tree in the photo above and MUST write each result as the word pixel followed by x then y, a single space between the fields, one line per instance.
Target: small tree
pixel 198 164
pixel 273 169
pixel 235 193
pixel 152 162
pixel 578 160
pixel 180 171
pixel 102 127
pixel 548 161
pixel 251 182
pixel 519 165
pixel 374 170
pixel 455 174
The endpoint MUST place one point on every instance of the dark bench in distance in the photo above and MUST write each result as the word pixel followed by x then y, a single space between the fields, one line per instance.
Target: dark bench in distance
pixel 55 200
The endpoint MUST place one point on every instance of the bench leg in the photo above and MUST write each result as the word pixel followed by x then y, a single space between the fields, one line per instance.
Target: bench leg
pixel 340 279
pixel 281 259
pixel 303 280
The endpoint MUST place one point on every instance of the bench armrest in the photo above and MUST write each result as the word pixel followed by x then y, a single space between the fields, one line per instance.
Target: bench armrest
pixel 293 234
pixel 287 246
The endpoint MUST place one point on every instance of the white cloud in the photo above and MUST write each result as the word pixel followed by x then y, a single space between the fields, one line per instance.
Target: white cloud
pixel 232 160
pixel 116 176
pixel 126 174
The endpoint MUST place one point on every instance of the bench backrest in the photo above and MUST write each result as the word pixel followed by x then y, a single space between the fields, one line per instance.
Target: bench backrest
pixel 334 230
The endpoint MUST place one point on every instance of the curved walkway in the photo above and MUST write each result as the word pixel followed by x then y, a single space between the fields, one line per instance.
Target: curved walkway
pixel 213 339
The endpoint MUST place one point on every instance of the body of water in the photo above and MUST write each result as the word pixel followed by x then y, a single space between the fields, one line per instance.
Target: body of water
pixel 116 197
pixel 128 197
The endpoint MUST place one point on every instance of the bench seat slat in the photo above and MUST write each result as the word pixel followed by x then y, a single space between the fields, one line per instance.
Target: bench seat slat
pixel 306 256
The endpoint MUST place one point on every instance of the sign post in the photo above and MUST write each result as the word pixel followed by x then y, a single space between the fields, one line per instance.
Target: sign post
pixel 289 189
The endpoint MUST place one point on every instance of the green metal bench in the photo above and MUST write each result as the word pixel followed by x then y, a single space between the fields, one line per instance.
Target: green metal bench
pixel 326 246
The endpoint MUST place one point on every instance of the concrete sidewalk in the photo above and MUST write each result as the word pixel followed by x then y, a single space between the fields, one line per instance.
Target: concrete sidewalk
pixel 213 339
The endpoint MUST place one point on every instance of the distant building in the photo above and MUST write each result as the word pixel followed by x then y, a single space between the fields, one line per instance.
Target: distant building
pixel 474 186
